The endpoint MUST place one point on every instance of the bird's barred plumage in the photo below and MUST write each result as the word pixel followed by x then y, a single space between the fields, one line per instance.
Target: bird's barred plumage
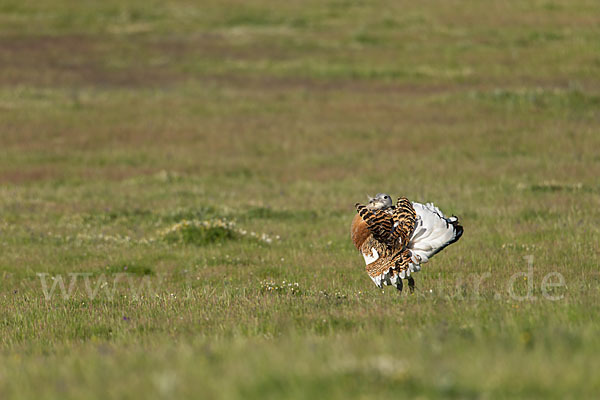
pixel 396 240
pixel 380 223
pixel 404 217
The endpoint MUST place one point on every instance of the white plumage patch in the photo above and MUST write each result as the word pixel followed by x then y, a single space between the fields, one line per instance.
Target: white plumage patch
pixel 369 258
pixel 389 279
pixel 376 280
pixel 432 233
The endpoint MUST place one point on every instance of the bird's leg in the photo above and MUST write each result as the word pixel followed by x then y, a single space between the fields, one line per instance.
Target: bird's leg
pixel 411 284
pixel 399 284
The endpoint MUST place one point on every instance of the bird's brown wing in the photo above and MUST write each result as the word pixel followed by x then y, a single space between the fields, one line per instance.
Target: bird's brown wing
pixel 396 263
pixel 404 218
pixel 379 222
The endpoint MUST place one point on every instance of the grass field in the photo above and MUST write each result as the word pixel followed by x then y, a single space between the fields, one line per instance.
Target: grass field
pixel 188 172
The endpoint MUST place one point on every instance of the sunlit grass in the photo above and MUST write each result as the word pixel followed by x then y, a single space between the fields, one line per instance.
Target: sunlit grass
pixel 188 173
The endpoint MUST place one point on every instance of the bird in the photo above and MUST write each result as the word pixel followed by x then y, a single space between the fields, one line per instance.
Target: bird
pixel 395 240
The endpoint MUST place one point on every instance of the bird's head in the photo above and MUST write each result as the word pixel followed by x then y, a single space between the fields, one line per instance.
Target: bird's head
pixel 381 201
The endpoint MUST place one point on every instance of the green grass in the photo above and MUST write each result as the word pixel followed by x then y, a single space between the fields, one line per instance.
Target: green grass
pixel 187 172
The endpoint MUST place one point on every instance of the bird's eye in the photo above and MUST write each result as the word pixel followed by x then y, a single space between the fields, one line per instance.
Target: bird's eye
pixel 385 197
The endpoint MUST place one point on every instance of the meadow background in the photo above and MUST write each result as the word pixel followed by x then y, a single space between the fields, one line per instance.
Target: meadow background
pixel 209 154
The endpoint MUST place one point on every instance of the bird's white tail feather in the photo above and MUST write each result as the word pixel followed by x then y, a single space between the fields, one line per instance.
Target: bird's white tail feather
pixel 433 231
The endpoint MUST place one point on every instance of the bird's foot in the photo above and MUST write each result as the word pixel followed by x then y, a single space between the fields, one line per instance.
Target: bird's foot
pixel 411 284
